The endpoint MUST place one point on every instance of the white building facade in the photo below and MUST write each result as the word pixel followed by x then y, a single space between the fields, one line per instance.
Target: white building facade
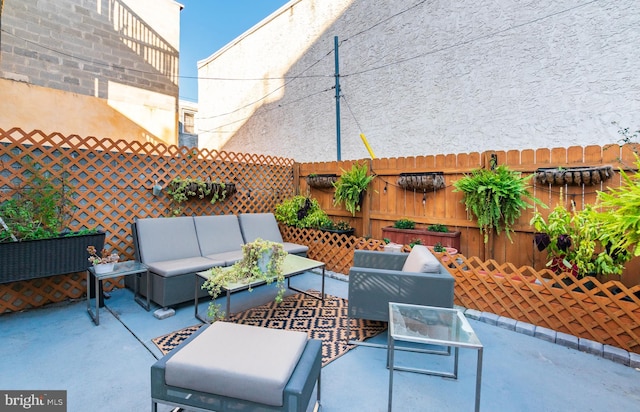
pixel 424 77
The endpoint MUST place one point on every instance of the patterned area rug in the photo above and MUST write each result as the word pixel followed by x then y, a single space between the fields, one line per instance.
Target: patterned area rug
pixel 326 321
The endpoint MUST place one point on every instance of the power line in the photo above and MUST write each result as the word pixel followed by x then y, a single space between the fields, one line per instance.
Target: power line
pixel 466 42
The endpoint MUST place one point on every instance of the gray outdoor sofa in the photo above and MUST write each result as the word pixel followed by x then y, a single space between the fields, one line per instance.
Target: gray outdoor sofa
pixel 377 278
pixel 176 248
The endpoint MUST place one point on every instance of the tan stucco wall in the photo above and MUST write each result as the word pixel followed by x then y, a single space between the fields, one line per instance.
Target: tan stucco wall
pixel 32 107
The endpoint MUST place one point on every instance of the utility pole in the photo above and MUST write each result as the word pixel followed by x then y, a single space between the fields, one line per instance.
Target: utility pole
pixel 337 60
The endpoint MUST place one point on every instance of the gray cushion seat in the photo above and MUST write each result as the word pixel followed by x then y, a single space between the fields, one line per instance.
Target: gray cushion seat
pixel 228 366
pixel 265 226
pixel 220 238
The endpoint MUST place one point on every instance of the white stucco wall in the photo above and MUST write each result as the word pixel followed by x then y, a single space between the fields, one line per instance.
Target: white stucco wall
pixel 440 77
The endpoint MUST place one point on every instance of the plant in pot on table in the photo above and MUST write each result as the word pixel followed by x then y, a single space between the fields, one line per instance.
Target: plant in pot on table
pixel 104 262
pixel 261 260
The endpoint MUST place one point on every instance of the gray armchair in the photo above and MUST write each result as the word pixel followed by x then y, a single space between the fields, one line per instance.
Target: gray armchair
pixel 378 278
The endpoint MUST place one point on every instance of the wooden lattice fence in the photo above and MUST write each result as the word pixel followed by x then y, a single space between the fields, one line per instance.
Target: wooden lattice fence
pixel 608 312
pixel 112 184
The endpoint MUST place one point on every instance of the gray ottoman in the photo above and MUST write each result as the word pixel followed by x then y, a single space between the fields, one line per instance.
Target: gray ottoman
pixel 226 366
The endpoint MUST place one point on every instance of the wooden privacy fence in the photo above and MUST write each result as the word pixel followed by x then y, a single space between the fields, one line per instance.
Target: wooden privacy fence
pixel 392 195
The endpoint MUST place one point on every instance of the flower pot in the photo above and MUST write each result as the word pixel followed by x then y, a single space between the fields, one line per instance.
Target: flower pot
pixel 104 268
pixel 427 237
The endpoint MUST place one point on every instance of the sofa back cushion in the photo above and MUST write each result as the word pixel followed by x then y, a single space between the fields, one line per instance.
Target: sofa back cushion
pixel 217 234
pixel 167 238
pixel 421 260
pixel 259 225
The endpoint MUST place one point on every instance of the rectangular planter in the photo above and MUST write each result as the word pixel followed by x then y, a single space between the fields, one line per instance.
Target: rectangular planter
pixel 427 238
pixel 32 259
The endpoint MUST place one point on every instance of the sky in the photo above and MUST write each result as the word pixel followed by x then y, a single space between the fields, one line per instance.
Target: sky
pixel 206 26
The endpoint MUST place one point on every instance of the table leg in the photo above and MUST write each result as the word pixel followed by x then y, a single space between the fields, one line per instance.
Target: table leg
pixel 226 315
pixel 323 274
pixel 137 296
pixel 478 380
pixel 390 363
pixel 97 289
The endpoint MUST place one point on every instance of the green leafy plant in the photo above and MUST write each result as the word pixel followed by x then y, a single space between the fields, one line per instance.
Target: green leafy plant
pixel 572 239
pixel 438 227
pixel 619 217
pixel 495 197
pixel 350 187
pixel 182 189
pixel 439 248
pixel 302 212
pixel 404 224
pixel 42 208
pixel 415 242
pixel 261 260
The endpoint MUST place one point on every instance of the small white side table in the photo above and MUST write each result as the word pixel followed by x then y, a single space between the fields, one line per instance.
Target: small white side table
pixel 130 267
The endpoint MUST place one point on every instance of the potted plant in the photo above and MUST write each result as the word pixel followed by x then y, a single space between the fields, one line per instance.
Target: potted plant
pixel 35 240
pixel 573 243
pixel 182 189
pixel 301 212
pixel 404 231
pixel 261 260
pixel 496 198
pixel 351 186
pixel 341 227
pixel 104 262
pixel 321 181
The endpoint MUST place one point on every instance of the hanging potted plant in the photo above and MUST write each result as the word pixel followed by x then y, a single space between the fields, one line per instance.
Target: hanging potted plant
pixel 350 187
pixel 496 198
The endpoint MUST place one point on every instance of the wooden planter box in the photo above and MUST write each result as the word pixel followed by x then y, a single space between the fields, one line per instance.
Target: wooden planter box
pixel 427 238
pixel 32 259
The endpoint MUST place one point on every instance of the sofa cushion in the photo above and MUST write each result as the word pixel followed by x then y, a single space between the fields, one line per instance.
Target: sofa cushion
pixel 168 268
pixel 259 225
pixel 239 361
pixel 217 234
pixel 265 226
pixel 229 258
pixel 420 259
pixel 167 238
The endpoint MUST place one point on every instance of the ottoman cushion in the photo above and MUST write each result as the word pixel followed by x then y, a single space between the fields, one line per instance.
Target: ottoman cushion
pixel 238 361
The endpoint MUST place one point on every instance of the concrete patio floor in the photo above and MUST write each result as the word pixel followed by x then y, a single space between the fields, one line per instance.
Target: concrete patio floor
pixel 106 367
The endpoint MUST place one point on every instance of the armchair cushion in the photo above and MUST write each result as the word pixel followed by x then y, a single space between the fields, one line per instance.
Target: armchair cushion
pixel 421 260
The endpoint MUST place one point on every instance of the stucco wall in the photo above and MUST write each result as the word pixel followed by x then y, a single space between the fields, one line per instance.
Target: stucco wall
pixel 426 78
pixel 121 56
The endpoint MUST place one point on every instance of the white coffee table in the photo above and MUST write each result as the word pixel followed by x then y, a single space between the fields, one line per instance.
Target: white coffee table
pixel 432 326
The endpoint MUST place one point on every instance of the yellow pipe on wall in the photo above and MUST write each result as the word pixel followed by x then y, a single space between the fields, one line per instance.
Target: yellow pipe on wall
pixel 366 144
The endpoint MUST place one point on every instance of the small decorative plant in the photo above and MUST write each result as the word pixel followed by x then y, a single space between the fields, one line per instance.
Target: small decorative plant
pixel 439 248
pixel 181 189
pixel 104 257
pixel 438 227
pixel 496 198
pixel 301 212
pixel 404 224
pixel 261 260
pixel 350 187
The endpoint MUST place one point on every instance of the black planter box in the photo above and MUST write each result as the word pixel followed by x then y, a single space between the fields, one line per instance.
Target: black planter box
pixel 32 259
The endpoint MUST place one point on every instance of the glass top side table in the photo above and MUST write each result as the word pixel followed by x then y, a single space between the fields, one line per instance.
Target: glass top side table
pixel 432 326
pixel 129 267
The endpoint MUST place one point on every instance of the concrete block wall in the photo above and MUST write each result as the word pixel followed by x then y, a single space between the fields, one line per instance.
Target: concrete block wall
pixel 420 78
pixel 79 45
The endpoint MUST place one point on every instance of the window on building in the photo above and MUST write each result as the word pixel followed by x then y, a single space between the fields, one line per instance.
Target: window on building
pixel 189 123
